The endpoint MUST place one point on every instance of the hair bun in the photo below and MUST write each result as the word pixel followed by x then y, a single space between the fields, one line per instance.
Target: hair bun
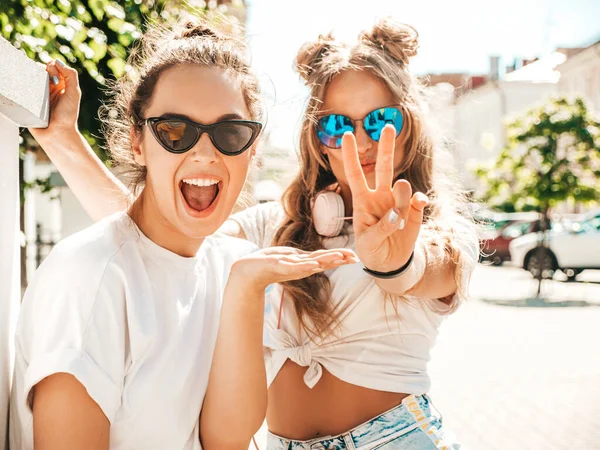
pixel 192 30
pixel 401 41
pixel 311 54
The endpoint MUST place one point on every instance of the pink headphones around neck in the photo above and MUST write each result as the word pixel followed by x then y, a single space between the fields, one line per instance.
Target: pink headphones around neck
pixel 328 213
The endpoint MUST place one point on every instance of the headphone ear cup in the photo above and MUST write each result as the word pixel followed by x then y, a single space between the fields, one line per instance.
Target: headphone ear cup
pixel 328 210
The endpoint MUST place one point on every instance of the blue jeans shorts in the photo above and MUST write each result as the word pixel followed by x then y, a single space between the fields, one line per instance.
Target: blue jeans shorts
pixel 413 425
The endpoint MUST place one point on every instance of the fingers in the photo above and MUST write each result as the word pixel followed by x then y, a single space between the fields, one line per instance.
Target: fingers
pixel 279 264
pixel 344 252
pixel 323 257
pixel 296 266
pixel 53 74
pixel 288 263
pixel 293 255
pixel 354 173
pixel 295 270
pixel 283 251
pixel 402 193
pixel 67 73
pixel 62 77
pixel 384 167
pixel 418 202
pixel 406 216
pixel 396 218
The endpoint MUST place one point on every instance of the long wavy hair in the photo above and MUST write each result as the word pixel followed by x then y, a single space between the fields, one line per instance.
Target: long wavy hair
pixel 383 51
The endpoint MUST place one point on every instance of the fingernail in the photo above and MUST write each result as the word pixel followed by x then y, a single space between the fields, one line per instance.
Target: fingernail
pixel 401 224
pixel 60 63
pixel 422 197
pixel 339 261
pixel 393 216
pixel 55 80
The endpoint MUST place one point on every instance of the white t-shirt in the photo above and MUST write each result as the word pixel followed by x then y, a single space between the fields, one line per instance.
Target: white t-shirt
pixel 136 325
pixel 383 342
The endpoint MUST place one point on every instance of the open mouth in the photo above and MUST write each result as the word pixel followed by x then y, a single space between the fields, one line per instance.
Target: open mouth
pixel 200 195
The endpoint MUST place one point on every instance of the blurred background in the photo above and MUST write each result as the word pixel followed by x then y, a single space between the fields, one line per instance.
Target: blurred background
pixel 515 90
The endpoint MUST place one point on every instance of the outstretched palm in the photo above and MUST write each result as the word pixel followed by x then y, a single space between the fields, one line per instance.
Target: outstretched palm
pixel 386 219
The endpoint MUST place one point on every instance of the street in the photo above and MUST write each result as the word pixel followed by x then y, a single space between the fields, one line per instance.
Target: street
pixel 515 374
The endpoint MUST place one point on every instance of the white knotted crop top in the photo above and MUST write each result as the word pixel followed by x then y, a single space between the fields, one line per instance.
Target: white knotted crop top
pixel 378 344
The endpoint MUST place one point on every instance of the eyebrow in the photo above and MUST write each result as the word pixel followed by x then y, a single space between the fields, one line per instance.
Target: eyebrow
pixel 228 116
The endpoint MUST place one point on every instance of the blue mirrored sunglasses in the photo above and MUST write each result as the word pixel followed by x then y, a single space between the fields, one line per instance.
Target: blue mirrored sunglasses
pixel 331 128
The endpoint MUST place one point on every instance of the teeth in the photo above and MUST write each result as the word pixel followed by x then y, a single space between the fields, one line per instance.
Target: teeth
pixel 200 181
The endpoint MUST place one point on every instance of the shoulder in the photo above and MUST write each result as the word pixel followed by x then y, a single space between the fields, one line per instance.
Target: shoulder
pixel 260 223
pixel 268 212
pixel 94 246
pixel 228 247
pixel 77 298
pixel 79 265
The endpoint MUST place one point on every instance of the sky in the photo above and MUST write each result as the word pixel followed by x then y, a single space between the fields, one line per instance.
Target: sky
pixel 455 36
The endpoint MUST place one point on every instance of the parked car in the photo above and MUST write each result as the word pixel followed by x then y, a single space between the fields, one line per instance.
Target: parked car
pixel 500 229
pixel 571 249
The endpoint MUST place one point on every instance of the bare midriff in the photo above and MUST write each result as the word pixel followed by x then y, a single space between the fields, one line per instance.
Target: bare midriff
pixel 331 407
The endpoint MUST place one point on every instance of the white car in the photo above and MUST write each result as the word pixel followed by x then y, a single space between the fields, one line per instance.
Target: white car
pixel 569 249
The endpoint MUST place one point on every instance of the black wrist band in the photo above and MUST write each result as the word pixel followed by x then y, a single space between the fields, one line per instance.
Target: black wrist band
pixel 394 273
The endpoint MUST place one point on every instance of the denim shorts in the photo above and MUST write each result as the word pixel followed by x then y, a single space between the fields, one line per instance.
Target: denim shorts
pixel 413 425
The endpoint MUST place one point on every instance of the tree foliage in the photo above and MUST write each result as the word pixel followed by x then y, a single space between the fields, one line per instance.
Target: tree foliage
pixel 552 155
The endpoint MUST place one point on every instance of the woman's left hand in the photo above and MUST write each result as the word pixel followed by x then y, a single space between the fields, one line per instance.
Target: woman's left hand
pixel 387 219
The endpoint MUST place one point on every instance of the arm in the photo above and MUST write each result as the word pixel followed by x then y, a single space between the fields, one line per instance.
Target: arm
pixel 236 398
pixel 233 229
pixel 431 275
pixel 71 332
pixel 65 417
pixel 96 188
pixel 256 224
pixel 387 222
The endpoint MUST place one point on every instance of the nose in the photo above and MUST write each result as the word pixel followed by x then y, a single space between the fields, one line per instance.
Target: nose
pixel 204 151
pixel 363 141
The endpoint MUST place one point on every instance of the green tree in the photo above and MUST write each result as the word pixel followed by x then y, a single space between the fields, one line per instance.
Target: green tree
pixel 552 156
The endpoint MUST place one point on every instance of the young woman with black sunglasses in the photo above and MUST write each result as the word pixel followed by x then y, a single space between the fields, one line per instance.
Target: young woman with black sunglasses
pixel 134 332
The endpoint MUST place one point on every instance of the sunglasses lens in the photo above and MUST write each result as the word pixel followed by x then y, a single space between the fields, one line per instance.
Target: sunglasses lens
pixel 378 119
pixel 231 137
pixel 176 135
pixel 330 129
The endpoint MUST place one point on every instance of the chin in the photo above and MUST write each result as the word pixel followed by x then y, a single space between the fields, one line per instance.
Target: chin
pixel 200 228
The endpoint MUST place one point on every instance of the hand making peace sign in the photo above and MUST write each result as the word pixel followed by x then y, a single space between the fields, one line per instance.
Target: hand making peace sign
pixel 386 219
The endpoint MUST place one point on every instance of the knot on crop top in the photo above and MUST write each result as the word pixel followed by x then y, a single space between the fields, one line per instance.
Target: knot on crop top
pixel 302 354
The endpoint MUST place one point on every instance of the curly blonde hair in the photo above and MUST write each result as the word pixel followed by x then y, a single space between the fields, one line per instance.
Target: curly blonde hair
pixel 383 51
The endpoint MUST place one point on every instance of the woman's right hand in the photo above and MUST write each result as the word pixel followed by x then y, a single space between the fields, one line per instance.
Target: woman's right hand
pixel 65 96
pixel 278 264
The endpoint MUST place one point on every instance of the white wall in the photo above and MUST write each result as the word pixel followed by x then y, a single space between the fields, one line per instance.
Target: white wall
pixel 58 212
pixel 23 102
pixel 580 76
pixel 479 119
pixel 9 259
